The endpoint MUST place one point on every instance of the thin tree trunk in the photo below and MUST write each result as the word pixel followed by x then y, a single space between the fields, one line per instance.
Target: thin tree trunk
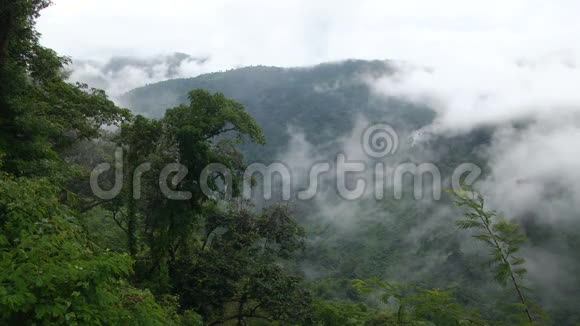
pixel 506 261
pixel 131 228
pixel 131 215
pixel 5 29
pixel 400 315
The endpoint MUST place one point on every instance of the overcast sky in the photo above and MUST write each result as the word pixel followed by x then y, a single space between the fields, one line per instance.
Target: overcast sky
pixel 290 33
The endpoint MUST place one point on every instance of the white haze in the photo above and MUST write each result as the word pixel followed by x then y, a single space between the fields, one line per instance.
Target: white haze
pixel 534 165
pixel 119 75
pixel 491 90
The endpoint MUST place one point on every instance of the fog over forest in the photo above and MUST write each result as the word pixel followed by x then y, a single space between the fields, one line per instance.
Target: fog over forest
pixel 289 163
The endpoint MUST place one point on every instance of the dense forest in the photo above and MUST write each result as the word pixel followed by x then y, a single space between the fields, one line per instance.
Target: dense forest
pixel 133 255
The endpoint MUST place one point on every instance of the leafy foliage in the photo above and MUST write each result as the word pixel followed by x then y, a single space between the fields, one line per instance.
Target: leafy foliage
pixel 504 239
pixel 51 274
pixel 416 304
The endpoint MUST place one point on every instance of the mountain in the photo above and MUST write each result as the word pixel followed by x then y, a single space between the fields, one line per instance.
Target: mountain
pixel 322 101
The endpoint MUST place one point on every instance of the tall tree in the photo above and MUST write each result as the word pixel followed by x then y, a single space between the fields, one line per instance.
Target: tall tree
pixel 50 273
pixel 204 132
pixel 40 113
pixel 17 20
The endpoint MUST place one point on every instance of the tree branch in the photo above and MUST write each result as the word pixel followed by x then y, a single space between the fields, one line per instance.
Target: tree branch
pixel 114 216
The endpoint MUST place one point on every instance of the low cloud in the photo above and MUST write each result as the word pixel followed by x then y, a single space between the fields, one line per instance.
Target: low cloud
pixel 488 91
pixel 119 75
pixel 532 107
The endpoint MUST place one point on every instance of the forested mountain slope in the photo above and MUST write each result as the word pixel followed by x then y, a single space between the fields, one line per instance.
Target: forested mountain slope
pixel 322 101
